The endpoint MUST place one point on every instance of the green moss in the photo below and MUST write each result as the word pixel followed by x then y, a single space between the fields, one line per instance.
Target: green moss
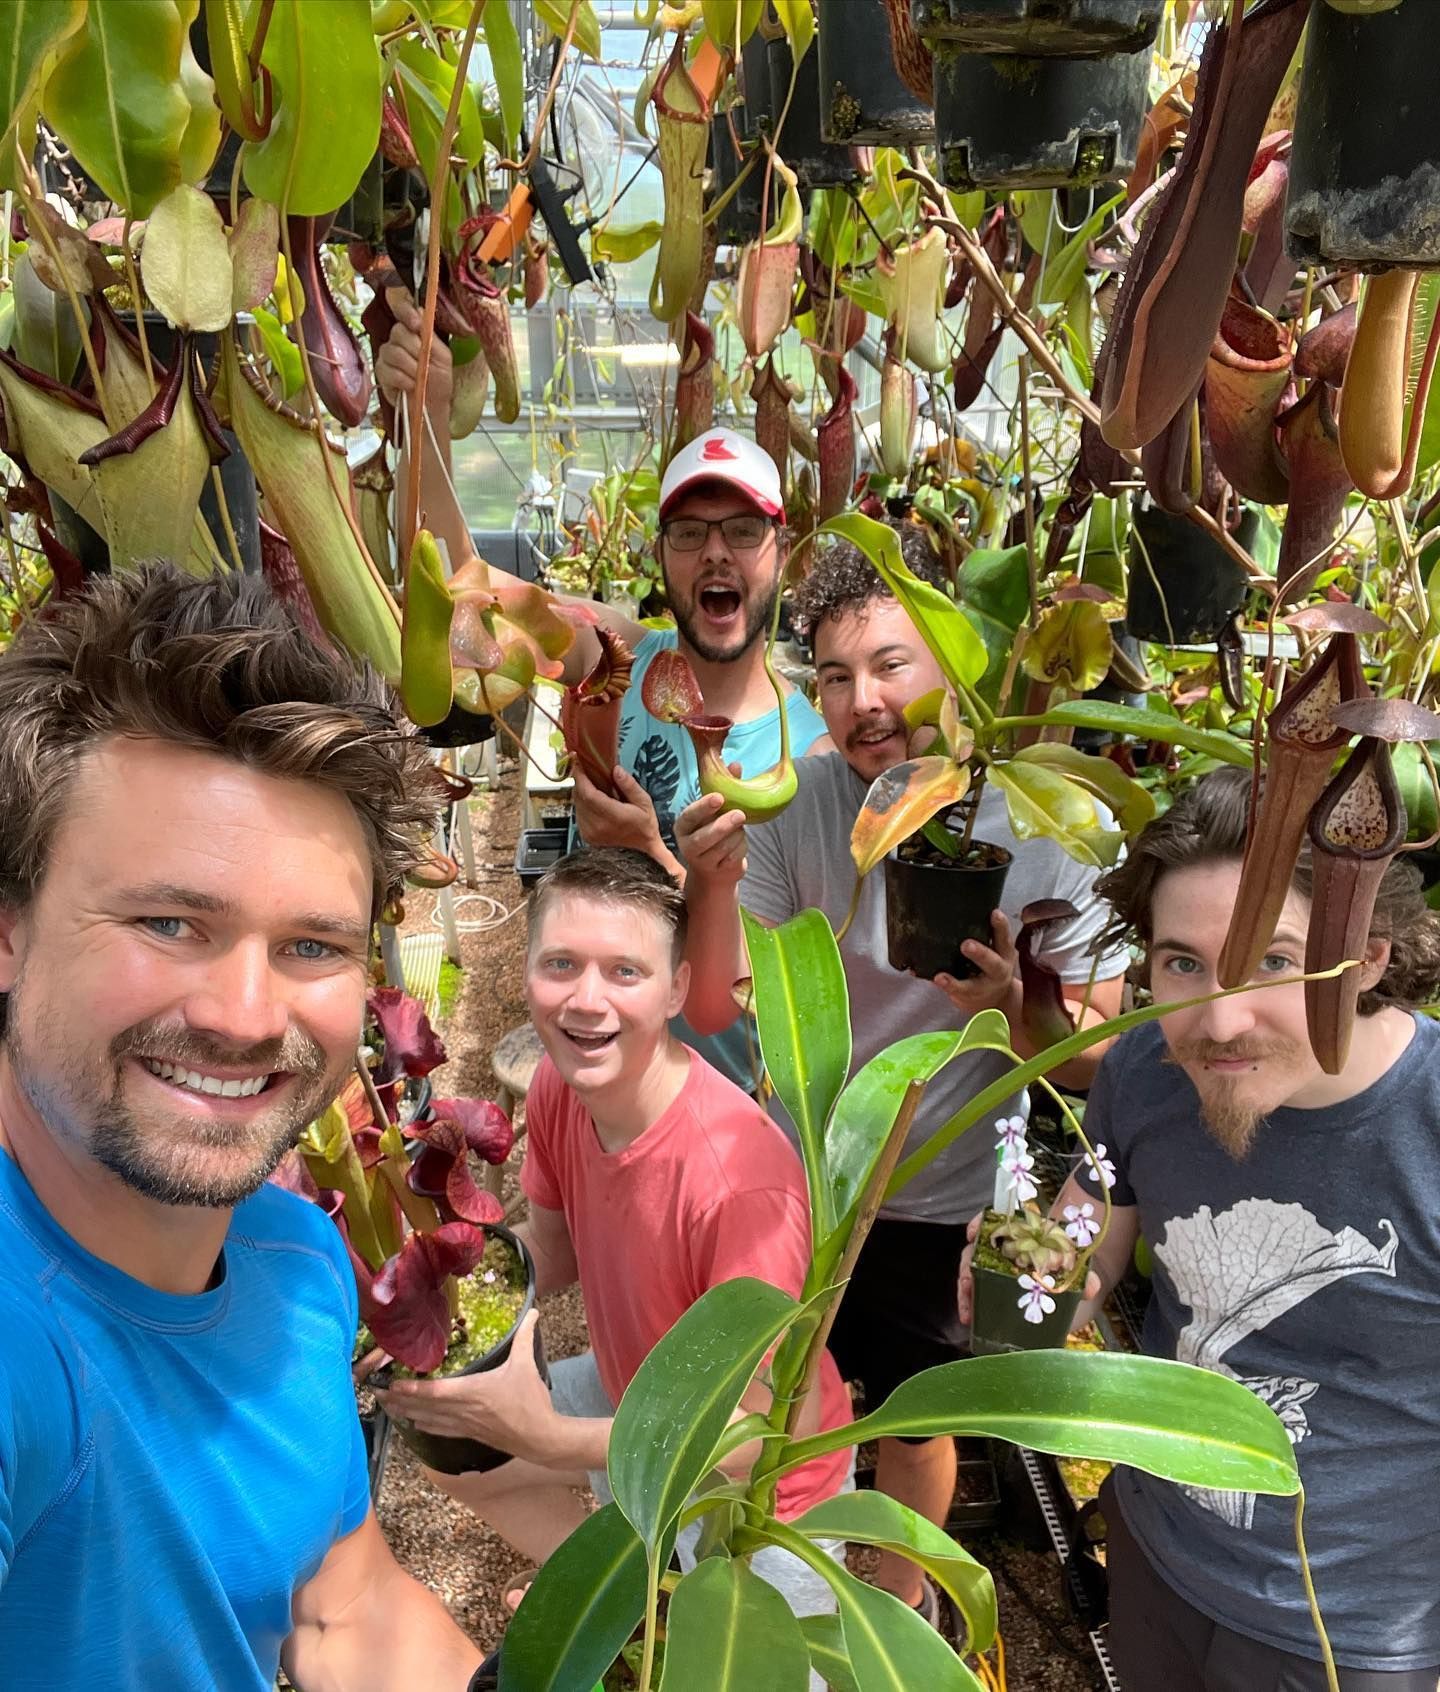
pixel 491 1299
pixel 452 978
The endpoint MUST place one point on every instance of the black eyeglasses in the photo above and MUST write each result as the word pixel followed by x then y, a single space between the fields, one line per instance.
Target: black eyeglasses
pixel 743 533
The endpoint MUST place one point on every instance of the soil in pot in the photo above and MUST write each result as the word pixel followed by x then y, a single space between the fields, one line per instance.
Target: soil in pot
pixel 934 904
pixel 998 1323
pixel 494 1299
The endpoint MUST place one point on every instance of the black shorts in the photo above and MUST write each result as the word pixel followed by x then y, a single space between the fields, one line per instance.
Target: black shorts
pixel 900 1313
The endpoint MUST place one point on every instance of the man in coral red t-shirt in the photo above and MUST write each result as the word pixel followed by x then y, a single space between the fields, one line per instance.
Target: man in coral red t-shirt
pixel 651 1178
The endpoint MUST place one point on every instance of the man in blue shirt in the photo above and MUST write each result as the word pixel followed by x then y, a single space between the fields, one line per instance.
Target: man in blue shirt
pixel 202 815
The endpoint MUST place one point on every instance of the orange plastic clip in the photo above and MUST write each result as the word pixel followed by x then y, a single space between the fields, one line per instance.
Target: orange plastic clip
pixel 505 236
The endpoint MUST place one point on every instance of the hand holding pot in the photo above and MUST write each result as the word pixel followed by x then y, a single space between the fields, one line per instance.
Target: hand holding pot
pixel 965 1289
pixel 508 1407
pixel 711 838
pixel 397 364
pixel 997 986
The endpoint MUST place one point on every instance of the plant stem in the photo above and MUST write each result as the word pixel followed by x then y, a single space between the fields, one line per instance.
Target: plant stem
pixel 132 281
pixel 1332 1679
pixel 652 1604
pixel 1032 567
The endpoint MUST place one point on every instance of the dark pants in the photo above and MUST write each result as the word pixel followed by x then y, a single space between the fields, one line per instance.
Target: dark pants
pixel 1159 1643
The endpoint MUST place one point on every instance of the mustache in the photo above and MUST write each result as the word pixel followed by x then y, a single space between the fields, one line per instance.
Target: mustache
pixel 1227 1051
pixel 887 725
pixel 294 1053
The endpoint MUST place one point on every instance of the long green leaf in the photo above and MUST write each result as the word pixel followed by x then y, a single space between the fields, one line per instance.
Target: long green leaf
pixel 581 1608
pixel 683 1394
pixel 1144 725
pixel 1044 805
pixel 828 1656
pixel 865 1112
pixel 327 74
pixel 508 64
pixel 1171 1419
pixel 727 1630
pixel 993 595
pixel 119 98
pixel 945 629
pixel 555 15
pixel 873 1518
pixel 891 1648
pixel 802 1009
pixel 30 30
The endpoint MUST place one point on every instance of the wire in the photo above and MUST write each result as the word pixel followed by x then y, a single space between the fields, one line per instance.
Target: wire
pixel 497 914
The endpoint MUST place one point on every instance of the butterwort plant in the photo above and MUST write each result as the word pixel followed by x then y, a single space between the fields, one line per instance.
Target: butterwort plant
pixel 725 1628
pixel 402 1193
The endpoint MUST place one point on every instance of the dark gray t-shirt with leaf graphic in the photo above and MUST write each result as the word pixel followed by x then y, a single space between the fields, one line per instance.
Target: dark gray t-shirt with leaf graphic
pixel 1311 1272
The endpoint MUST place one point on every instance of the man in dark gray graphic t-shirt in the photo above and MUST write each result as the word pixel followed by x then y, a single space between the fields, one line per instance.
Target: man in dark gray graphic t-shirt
pixel 1294 1219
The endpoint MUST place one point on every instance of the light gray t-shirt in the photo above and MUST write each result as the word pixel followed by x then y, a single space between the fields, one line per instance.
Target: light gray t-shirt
pixel 802 858
pixel 1311 1272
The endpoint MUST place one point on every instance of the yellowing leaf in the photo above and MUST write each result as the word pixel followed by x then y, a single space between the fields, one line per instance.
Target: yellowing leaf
pixel 798 21
pixel 900 801
pixel 185 261
pixel 1130 804
pixel 555 15
pixel 1071 647
pixel 1044 805
pixel 619 246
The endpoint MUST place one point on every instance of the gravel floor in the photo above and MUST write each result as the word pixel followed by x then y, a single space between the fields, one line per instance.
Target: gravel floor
pixel 439 1541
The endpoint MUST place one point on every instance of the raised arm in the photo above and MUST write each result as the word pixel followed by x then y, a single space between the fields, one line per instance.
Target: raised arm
pixel 712 842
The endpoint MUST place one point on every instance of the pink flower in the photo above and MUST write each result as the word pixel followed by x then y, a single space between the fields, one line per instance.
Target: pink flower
pixel 1035 1299
pixel 1080 1224
pixel 1100 1169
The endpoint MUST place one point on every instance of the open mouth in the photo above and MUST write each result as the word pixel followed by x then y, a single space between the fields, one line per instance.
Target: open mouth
pixel 590 1043
pixel 875 737
pixel 719 602
pixel 207 1086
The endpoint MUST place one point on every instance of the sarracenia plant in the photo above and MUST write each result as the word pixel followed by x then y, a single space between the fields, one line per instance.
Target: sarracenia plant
pixel 727 1629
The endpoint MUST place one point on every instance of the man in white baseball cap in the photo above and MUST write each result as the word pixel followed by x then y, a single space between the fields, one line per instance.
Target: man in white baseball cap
pixel 722 549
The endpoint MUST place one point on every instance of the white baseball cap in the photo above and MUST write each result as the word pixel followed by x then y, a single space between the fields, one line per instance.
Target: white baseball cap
pixel 720 455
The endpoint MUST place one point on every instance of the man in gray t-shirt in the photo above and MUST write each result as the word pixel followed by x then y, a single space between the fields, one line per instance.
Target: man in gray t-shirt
pixel 900 1313
pixel 1294 1221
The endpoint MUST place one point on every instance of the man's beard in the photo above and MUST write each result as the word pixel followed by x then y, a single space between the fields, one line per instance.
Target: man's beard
pixel 759 611
pixel 1232 1120
pixel 150 1151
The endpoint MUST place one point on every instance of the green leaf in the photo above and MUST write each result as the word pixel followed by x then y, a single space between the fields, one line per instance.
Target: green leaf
pixel 865 1112
pixel 1129 803
pixel 30 30
pixel 555 15
pixel 1184 1424
pixel 993 592
pixel 186 261
pixel 1069 255
pixel 327 74
pixel 802 1009
pixel 134 141
pixel 508 63
pixel 581 1608
pixel 681 1397
pixel 282 352
pixel 1144 724
pixel 620 246
pixel 797 19
pixel 727 1630
pixel 828 1656
pixel 1045 805
pixel 731 23
pixel 428 73
pixel 873 1518
pixel 958 650
pixel 891 1648
pixel 427 680
pixel 45 335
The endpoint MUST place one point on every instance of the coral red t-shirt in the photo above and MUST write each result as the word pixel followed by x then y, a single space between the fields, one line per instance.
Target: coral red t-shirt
pixel 711 1191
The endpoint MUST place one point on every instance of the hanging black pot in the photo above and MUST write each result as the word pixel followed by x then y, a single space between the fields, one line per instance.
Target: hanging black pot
pixel 1364 183
pixel 236 478
pixel 739 221
pixel 1183 586
pixel 452 1455
pixel 755 112
pixel 1072 29
pixel 459 728
pixel 863 101
pixel 801 145
pixel 934 905
pixel 1037 123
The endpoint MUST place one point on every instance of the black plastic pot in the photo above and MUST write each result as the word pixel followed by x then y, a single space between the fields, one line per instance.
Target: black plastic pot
pixel 538 850
pixel 1364 188
pixel 1072 29
pixel 1037 123
pixel 863 101
pixel 739 221
pixel 451 1456
pixel 801 145
pixel 998 1323
pixel 459 728
pixel 931 909
pixel 1183 586
pixel 236 478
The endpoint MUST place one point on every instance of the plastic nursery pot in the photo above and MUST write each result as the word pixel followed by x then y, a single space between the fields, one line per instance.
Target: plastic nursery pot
pixel 815 163
pixel 1069 28
pixel 236 477
pixel 1363 185
pixel 739 221
pixel 863 100
pixel 998 1323
pixel 452 1456
pixel 1182 585
pixel 933 905
pixel 1037 123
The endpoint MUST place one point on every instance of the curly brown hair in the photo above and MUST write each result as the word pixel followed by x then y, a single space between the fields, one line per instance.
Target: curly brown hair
pixel 216 664
pixel 843 579
pixel 1207 824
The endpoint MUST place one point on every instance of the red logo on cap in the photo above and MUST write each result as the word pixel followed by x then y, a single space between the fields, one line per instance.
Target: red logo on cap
pixel 715 448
